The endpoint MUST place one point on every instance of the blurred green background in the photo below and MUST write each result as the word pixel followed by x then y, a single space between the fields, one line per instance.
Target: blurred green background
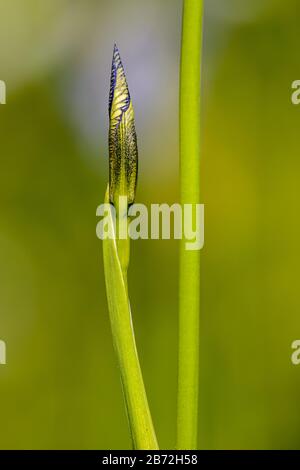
pixel 60 387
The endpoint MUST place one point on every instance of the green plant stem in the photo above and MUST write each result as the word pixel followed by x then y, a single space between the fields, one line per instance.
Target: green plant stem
pixel 189 275
pixel 115 268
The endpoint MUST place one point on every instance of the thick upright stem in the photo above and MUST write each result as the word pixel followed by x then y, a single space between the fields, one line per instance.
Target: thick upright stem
pixel 140 421
pixel 189 277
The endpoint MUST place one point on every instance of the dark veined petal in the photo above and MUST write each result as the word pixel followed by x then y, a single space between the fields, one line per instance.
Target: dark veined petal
pixel 123 153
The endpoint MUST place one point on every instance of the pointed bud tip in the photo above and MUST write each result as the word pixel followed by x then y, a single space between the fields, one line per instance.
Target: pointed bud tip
pixel 116 52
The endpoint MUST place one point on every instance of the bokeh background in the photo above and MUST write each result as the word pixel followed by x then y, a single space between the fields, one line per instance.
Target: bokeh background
pixel 60 388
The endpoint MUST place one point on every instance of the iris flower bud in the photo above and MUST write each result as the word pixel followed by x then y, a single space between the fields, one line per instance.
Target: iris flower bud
pixel 123 153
